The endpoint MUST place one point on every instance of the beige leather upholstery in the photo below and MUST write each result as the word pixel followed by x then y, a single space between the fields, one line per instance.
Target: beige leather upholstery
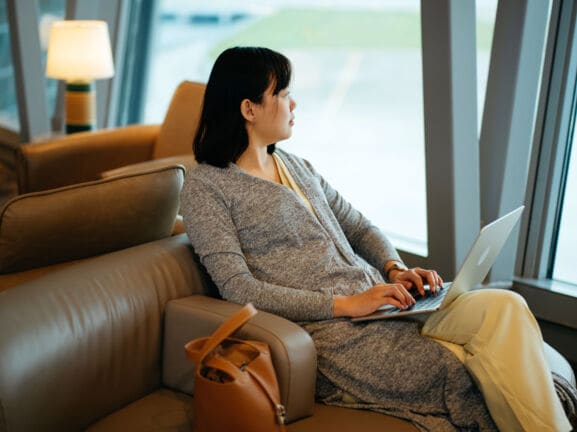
pixel 169 411
pixel 81 343
pixel 9 280
pixel 163 411
pixel 187 161
pixel 181 121
pixel 87 219
pixel 174 142
pixel 331 419
pixel 82 348
pixel 84 156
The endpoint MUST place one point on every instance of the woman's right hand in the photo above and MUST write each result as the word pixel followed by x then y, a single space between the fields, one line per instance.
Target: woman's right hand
pixel 369 301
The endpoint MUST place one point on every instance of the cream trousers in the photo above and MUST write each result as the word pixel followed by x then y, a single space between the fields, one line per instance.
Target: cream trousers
pixel 496 336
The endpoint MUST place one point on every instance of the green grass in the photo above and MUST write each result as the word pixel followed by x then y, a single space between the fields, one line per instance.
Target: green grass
pixel 322 28
pixel 294 28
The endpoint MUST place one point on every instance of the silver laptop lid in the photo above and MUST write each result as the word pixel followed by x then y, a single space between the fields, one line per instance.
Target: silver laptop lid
pixel 483 254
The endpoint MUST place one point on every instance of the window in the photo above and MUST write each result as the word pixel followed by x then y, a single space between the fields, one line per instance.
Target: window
pixel 48 12
pixel 564 268
pixel 8 105
pixel 547 257
pixel 357 83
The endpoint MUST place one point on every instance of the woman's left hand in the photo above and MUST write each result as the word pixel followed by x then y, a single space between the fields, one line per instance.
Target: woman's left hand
pixel 414 278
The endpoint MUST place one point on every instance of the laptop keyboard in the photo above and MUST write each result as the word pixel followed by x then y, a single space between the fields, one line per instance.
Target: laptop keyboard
pixel 429 301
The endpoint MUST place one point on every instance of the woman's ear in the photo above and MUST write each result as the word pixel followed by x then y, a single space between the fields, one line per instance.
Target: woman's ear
pixel 246 109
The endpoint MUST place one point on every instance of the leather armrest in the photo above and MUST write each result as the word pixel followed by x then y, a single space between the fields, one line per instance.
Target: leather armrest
pixel 81 157
pixel 292 349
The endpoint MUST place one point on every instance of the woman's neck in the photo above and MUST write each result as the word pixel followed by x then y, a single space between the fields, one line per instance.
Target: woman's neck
pixel 257 161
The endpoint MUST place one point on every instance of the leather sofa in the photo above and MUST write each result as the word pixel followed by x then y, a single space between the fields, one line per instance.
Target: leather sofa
pixel 98 346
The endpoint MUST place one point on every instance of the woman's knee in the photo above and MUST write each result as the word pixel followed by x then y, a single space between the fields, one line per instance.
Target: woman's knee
pixel 501 299
pixel 510 307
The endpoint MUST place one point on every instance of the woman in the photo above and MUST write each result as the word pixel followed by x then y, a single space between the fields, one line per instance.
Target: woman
pixel 271 231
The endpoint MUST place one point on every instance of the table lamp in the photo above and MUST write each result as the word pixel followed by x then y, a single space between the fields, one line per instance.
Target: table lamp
pixel 79 52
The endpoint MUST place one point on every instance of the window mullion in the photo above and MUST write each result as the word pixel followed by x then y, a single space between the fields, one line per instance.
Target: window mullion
pixel 509 115
pixel 450 104
pixel 549 158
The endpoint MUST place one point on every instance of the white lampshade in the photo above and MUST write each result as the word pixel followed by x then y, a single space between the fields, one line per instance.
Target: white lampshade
pixel 79 51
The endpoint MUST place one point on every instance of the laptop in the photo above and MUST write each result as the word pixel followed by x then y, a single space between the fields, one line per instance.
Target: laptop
pixel 479 260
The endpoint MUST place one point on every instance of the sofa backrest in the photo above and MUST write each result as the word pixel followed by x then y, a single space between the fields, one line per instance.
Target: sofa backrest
pixel 181 121
pixel 81 343
pixel 88 219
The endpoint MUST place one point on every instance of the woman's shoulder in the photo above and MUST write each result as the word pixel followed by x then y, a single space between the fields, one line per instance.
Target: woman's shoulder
pixel 205 177
pixel 206 173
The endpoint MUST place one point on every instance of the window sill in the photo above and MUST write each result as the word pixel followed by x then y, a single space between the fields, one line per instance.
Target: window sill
pixel 550 300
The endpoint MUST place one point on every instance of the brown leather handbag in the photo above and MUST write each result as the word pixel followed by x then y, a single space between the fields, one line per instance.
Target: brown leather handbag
pixel 235 387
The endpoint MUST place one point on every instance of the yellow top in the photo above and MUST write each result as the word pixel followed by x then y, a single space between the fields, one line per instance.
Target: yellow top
pixel 287 180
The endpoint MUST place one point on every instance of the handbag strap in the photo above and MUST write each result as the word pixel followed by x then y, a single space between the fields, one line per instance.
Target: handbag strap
pixel 227 328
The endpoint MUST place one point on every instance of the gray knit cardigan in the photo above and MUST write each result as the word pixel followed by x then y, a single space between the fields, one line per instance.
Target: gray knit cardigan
pixel 261 244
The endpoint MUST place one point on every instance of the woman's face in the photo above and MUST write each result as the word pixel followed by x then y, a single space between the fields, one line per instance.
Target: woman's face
pixel 274 117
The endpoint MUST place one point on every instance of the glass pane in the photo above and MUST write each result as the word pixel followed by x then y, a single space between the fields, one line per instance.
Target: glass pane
pixel 8 104
pixel 486 11
pixel 565 268
pixel 357 83
pixel 48 12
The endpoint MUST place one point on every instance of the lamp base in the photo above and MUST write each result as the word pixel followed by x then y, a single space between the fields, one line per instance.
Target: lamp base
pixel 80 107
pixel 75 128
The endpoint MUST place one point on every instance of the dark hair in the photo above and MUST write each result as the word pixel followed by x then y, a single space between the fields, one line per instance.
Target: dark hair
pixel 239 73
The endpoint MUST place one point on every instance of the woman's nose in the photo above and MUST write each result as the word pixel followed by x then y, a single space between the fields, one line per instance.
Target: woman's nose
pixel 293 104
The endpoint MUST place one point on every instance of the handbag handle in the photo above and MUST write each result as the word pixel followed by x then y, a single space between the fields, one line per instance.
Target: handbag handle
pixel 227 328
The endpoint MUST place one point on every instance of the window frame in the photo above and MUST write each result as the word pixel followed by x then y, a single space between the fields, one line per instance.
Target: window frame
pixel 550 300
pixel 552 142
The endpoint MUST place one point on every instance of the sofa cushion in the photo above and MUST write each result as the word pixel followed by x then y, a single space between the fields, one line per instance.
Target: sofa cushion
pixel 88 219
pixel 162 410
pixel 331 418
pixel 170 411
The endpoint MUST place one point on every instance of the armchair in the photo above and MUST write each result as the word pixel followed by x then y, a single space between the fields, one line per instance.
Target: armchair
pixel 85 156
